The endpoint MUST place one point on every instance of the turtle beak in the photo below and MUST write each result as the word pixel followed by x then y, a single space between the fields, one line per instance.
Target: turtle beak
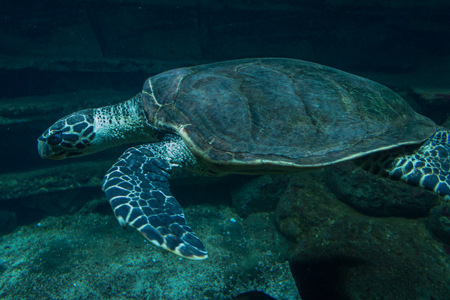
pixel 46 151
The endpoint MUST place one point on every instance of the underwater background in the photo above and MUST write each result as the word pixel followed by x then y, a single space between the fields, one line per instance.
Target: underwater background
pixel 334 233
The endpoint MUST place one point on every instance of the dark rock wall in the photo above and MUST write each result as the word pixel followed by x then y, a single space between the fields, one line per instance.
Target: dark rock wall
pixel 83 35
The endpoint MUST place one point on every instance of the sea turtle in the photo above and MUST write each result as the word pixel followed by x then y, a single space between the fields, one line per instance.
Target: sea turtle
pixel 251 116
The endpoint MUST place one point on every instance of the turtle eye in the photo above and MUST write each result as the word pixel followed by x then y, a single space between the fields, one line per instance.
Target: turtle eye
pixel 55 138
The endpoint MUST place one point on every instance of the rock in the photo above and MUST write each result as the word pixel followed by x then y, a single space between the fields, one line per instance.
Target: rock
pixel 260 194
pixel 435 102
pixel 377 196
pixel 342 254
pixel 90 256
pixel 51 180
pixel 432 96
pixel 439 222
pixel 8 221
pixel 298 205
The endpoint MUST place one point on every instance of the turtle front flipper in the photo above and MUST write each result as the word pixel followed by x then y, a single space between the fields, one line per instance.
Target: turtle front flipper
pixel 137 188
pixel 427 166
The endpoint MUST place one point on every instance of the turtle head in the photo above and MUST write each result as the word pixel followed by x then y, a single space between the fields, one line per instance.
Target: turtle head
pixel 93 130
pixel 71 136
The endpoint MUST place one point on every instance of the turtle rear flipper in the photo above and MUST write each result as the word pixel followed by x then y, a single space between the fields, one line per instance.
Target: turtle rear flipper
pixel 428 167
pixel 137 188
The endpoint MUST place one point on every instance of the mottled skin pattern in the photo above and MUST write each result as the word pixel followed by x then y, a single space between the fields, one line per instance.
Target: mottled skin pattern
pixel 137 186
pixel 251 116
pixel 73 133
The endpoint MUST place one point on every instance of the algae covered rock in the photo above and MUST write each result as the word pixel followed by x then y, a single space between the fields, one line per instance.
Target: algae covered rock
pixel 339 253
